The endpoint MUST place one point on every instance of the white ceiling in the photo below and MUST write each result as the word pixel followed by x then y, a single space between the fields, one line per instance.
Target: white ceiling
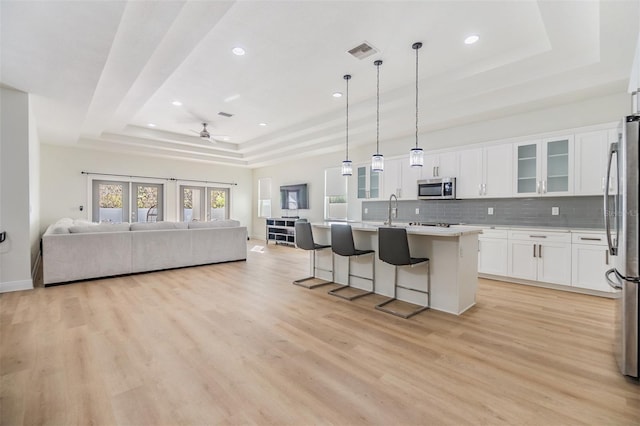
pixel 100 72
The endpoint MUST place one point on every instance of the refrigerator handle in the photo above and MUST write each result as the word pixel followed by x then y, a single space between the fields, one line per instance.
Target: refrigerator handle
pixel 615 285
pixel 607 214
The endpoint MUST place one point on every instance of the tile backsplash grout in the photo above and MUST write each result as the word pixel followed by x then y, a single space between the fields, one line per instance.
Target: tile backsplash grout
pixel 574 212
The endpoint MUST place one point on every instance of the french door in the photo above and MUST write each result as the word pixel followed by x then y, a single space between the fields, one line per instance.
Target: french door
pixel 202 203
pixel 117 201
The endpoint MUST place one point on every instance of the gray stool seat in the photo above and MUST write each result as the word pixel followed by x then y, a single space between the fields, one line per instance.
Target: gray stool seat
pixel 342 244
pixel 304 241
pixel 393 248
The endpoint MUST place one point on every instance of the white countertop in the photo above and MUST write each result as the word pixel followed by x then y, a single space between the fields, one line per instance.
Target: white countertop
pixel 453 231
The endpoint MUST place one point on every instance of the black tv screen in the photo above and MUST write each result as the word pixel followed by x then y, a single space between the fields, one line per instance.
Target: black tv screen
pixel 294 197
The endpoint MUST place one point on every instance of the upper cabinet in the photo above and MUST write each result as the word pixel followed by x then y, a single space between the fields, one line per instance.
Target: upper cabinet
pixel 591 154
pixel 485 172
pixel 544 167
pixel 440 165
pixel 401 179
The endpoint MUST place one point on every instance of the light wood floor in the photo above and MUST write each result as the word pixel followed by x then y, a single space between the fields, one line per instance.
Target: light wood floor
pixel 237 343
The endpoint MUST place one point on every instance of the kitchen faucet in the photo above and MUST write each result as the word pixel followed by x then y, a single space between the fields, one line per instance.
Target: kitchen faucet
pixel 393 211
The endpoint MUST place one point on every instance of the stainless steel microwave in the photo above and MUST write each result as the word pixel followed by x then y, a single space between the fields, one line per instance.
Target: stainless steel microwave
pixel 437 189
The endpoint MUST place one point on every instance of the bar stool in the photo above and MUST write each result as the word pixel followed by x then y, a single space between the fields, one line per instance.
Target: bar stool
pixel 393 248
pixel 304 241
pixel 342 245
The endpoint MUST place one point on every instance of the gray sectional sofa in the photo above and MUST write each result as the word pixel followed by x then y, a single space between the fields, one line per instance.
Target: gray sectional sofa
pixel 74 251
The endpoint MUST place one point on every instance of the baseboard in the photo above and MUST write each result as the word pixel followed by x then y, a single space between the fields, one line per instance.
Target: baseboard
pixel 16 286
pixel 560 287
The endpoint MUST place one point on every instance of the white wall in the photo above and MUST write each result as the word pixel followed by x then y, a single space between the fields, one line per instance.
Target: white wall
pixel 587 112
pixel 64 188
pixel 15 218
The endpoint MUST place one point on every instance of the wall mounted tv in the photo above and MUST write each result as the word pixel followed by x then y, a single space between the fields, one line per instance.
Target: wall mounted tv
pixel 294 197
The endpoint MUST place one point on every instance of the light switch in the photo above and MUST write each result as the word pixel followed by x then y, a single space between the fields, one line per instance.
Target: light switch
pixel 417 210
pixel 490 211
pixel 555 211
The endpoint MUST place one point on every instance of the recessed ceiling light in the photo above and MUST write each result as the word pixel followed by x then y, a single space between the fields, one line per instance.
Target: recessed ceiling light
pixel 151 125
pixel 177 103
pixel 471 39
pixel 337 95
pixel 225 138
pixel 262 124
pixel 238 51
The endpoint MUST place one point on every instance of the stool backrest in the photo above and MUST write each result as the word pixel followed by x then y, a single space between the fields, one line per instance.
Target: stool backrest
pixel 393 246
pixel 304 235
pixel 342 240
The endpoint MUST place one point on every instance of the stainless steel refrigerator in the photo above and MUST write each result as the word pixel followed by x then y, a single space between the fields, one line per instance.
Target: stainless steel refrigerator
pixel 621 209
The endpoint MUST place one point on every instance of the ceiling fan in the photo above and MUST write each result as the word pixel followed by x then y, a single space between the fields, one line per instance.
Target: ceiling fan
pixel 204 133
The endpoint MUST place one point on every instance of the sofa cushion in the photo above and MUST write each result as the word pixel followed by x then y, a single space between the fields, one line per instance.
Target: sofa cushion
pixel 214 224
pixel 102 227
pixel 59 229
pixel 152 226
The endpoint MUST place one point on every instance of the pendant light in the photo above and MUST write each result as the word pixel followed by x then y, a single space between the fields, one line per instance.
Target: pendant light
pixel 347 169
pixel 416 156
pixel 377 160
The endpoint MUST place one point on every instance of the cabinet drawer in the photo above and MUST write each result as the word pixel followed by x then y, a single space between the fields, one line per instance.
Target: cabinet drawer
pixel 494 233
pixel 540 236
pixel 592 238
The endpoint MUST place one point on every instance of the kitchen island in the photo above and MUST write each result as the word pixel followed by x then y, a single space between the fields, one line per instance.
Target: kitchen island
pixel 453 255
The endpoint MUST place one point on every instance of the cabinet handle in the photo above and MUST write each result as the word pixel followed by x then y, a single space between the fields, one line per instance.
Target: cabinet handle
pixel 479 189
pixel 544 186
pixel 538 187
pixel 540 250
pixel 537 236
pixel 606 256
pixel 534 250
pixel 590 239
pixel 484 188
pixel 433 171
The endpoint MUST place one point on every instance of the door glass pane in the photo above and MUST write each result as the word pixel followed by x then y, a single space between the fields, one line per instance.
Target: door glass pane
pixel 362 182
pixel 558 166
pixel 527 166
pixel 374 184
pixel 192 204
pixel 110 201
pixel 148 203
pixel 218 204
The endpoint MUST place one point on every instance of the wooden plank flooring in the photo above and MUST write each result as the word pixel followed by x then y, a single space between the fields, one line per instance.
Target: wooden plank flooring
pixel 237 343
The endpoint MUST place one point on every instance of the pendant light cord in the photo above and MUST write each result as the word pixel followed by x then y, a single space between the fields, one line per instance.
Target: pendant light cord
pixel 347 77
pixel 416 98
pixel 378 63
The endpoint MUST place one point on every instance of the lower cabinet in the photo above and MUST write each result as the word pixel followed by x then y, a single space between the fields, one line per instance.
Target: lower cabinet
pixel 492 252
pixel 540 256
pixel 590 260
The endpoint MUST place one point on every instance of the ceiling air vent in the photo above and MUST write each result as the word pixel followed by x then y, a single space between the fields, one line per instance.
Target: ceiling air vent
pixel 225 114
pixel 363 50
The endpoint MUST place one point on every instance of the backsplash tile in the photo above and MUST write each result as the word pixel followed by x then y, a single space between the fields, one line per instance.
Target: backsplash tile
pixel 575 212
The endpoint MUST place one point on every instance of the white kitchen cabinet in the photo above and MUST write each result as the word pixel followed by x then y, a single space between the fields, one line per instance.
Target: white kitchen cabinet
pixel 544 167
pixel 590 260
pixel 492 252
pixel 401 179
pixel 440 165
pixel 540 256
pixel 591 154
pixel 368 183
pixel 485 172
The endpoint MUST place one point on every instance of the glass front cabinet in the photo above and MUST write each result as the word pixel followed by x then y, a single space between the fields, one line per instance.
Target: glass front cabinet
pixel 369 183
pixel 544 167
